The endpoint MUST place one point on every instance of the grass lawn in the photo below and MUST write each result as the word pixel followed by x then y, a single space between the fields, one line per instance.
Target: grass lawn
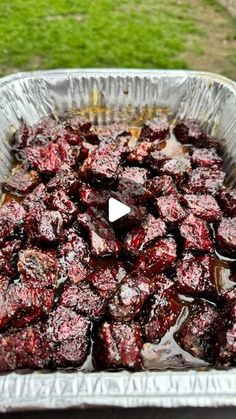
pixel 38 34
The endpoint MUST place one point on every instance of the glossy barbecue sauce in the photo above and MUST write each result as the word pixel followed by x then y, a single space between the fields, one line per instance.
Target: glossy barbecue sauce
pixel 167 353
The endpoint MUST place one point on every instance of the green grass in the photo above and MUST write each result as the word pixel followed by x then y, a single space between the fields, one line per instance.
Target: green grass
pixel 98 33
pixel 95 33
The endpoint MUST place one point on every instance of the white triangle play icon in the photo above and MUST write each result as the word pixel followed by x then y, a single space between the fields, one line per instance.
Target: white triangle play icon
pixel 116 209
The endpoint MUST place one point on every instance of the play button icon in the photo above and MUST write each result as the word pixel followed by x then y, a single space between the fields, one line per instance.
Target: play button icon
pixel 117 209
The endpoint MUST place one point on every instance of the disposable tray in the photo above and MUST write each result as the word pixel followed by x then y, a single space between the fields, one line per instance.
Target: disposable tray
pixel 107 96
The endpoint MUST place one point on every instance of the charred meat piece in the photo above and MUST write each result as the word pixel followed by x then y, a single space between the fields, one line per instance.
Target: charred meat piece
pixel 197 332
pixel 48 159
pixel 103 163
pixel 78 123
pixel 118 346
pixel 133 180
pixel 160 313
pixel 134 174
pixel 9 256
pixel 196 234
pixel 39 134
pixel 44 226
pixel 137 216
pixel 141 237
pixel 69 334
pixel 47 130
pixel 226 237
pixel 203 206
pixel 101 235
pixel 37 268
pixel 224 350
pixel 140 153
pixel 189 131
pixel 104 281
pixel 229 296
pixel 170 209
pixel 73 262
pixel 205 181
pixel 4 283
pixel 89 142
pixel 67 180
pixel 92 197
pixel 27 348
pixel 36 303
pixel 59 201
pixel 156 158
pixel 138 212
pixel 84 299
pixel 22 136
pixel 157 258
pixel 11 218
pixel 162 185
pixel 20 305
pixel 205 157
pixel 195 275
pixel 50 128
pixel 227 199
pixel 72 137
pixel 21 182
pixel 106 134
pixel 161 282
pixel 129 298
pixel 155 130
pixel 179 169
pixel 85 149
pixel 35 198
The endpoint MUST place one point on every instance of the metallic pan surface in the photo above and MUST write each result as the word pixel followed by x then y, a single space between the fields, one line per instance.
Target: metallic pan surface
pixel 108 96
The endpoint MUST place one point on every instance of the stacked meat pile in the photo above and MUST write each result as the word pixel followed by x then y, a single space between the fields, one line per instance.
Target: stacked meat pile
pixel 69 277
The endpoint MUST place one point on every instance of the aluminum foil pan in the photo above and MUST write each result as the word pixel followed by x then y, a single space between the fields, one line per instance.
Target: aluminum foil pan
pixel 107 96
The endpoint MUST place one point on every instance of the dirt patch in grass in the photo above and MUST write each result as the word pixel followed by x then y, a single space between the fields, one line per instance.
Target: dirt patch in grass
pixel 75 16
pixel 218 43
pixel 5 70
pixel 211 45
